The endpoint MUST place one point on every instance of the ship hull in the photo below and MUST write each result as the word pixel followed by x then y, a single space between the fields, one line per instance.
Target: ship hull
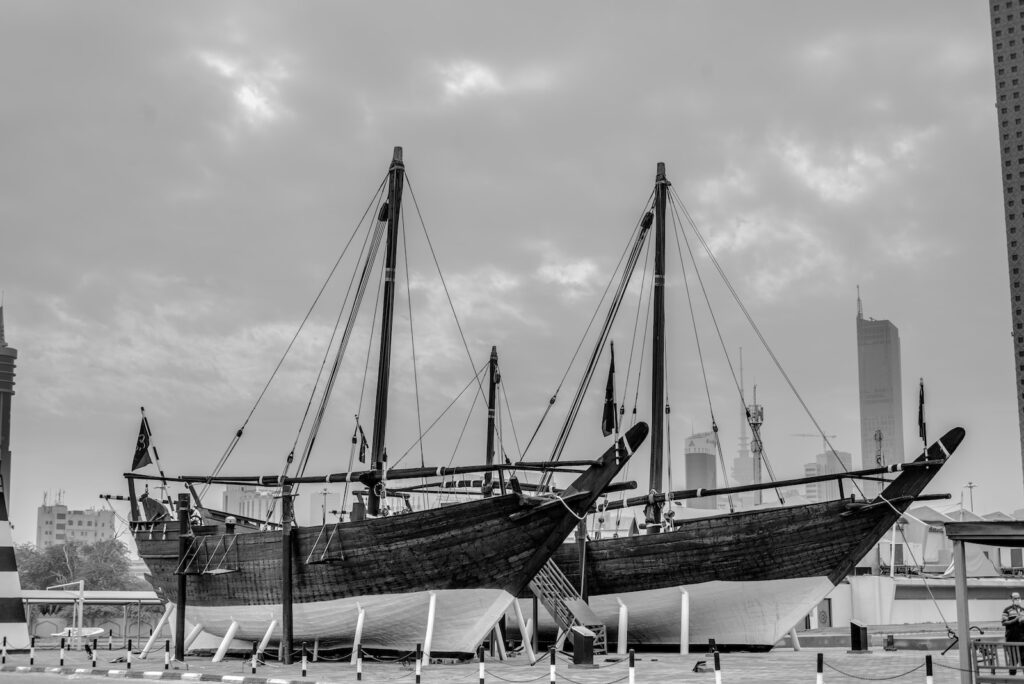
pixel 751 576
pixel 391 622
pixel 474 557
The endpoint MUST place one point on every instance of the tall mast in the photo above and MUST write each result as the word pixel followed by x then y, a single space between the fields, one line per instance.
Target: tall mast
pixel 396 179
pixel 658 364
pixel 491 393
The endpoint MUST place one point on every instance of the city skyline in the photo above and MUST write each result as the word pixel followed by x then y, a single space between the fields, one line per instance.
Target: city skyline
pixel 179 184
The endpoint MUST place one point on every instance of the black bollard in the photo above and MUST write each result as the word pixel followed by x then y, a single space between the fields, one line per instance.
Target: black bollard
pixel 167 654
pixel 821 668
pixel 254 657
pixel 32 652
pixel 359 662
pixel 303 658
pixel 483 671
pixel 632 666
pixel 551 652
pixel 62 651
pixel 110 640
pixel 128 655
pixel 928 675
pixel 419 656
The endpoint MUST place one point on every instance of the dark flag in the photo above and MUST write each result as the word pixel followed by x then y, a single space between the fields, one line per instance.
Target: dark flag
pixel 921 427
pixel 608 425
pixel 363 444
pixel 142 448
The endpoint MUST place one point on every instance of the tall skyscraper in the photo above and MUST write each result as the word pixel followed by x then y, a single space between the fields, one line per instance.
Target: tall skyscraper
pixel 881 390
pixel 701 471
pixel 1008 61
pixel 7 357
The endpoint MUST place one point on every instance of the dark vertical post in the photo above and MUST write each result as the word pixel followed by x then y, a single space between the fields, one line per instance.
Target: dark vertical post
pixel 491 391
pixel 396 179
pixel 581 547
pixel 286 573
pixel 184 537
pixel 533 636
pixel 658 339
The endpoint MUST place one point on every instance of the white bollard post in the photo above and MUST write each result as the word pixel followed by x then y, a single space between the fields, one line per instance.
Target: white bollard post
pixel 623 627
pixel 431 613
pixel 359 636
pixel 225 642
pixel 632 667
pixel 928 678
pixel 525 631
pixel 718 669
pixel 156 631
pixel 684 622
pixel 266 637
pixel 821 668
pixel 193 635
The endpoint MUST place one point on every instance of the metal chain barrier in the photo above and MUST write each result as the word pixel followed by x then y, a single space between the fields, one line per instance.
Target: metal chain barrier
pixel 874 679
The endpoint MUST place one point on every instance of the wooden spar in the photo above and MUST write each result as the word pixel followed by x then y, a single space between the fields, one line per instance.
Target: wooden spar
pixel 658 341
pixel 286 575
pixel 396 179
pixel 366 476
pixel 133 500
pixel 697 493
pixel 491 391
pixel 184 535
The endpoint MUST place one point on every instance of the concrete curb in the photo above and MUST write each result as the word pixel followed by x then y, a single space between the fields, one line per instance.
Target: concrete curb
pixel 152 674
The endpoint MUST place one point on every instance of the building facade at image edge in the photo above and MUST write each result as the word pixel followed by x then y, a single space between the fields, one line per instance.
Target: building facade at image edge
pixel 1007 18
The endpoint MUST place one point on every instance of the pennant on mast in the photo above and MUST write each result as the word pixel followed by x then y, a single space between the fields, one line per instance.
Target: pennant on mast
pixel 141 457
pixel 609 423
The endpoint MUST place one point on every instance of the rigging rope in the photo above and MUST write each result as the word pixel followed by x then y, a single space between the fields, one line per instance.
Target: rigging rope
pixel 238 434
pixel 674 198
pixel 430 427
pixel 412 341
pixel 757 331
pixel 447 294
pixel 583 338
pixel 700 356
pixel 332 377
pixel 641 232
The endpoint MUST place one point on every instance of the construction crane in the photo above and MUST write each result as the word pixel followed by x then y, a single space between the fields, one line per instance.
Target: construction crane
pixel 824 439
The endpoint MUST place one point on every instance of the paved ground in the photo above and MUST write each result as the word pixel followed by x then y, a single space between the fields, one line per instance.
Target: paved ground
pixel 777 667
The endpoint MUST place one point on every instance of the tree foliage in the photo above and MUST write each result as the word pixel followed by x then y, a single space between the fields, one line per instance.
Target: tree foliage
pixel 103 565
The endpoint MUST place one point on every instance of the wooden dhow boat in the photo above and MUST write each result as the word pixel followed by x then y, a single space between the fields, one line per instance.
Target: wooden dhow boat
pixel 387 580
pixel 749 576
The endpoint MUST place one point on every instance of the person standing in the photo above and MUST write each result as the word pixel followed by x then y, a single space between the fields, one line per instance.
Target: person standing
pixel 1013 622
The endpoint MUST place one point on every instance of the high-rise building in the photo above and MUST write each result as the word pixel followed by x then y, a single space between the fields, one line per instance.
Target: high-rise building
pixel 826 463
pixel 7 357
pixel 57 524
pixel 252 502
pixel 881 391
pixel 701 471
pixel 1008 62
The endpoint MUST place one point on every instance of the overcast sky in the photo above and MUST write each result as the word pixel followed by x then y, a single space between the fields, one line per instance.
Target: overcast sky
pixel 177 180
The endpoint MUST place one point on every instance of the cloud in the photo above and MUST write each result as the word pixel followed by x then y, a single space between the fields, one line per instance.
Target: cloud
pixel 843 174
pixel 575 278
pixel 255 89
pixel 468 78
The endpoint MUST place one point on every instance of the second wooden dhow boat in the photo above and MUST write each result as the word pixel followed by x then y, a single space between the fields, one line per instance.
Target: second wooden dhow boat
pixel 389 580
pixel 749 576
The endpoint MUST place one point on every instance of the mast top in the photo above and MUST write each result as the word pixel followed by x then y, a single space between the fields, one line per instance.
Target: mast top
pixel 661 173
pixel 396 159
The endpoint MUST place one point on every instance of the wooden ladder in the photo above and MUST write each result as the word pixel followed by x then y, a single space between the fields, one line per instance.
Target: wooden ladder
pixel 566 606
